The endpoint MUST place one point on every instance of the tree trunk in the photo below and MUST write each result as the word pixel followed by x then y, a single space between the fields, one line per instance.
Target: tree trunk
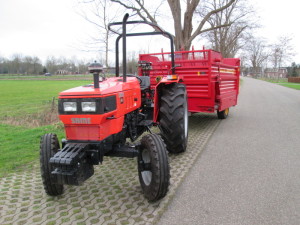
pixel 183 34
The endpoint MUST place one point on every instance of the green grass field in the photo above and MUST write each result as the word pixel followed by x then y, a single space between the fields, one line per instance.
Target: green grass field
pixel 19 145
pixel 274 80
pixel 43 77
pixel 27 96
pixel 283 82
pixel 291 85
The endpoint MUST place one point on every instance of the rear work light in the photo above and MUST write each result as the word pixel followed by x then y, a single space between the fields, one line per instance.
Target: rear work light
pixel 172 77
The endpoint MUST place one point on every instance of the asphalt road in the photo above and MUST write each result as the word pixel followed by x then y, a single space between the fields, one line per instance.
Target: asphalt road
pixel 249 173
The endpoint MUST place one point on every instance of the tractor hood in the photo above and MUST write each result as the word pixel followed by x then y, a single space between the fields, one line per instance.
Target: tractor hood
pixel 109 86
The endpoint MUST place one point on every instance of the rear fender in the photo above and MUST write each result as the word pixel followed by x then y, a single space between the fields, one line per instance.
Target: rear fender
pixel 157 95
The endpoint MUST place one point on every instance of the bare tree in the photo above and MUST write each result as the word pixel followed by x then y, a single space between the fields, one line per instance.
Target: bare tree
pixel 256 51
pixel 132 62
pixel 282 52
pixel 19 64
pixel 51 64
pixel 27 61
pixel 3 65
pixel 82 66
pixel 183 22
pixel 229 39
pixel 16 63
pixel 37 65
pixel 100 13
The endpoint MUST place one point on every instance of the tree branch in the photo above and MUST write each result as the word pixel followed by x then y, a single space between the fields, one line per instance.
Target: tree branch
pixel 214 28
pixel 139 11
pixel 146 11
pixel 208 15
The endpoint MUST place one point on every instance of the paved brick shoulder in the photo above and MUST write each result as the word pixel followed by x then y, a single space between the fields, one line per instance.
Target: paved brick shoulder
pixel 112 196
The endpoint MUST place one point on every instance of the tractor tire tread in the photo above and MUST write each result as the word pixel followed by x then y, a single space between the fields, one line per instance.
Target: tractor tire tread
pixel 172 118
pixel 49 145
pixel 159 185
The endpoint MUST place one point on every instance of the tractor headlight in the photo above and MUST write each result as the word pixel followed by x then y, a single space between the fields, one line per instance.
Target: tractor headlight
pixel 70 106
pixel 91 106
pixel 88 106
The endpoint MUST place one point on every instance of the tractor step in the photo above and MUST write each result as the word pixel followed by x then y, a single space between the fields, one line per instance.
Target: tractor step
pixel 71 166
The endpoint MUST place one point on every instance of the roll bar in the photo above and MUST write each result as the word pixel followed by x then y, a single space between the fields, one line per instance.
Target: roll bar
pixel 124 35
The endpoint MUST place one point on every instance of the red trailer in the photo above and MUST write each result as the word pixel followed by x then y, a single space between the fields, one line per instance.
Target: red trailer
pixel 212 82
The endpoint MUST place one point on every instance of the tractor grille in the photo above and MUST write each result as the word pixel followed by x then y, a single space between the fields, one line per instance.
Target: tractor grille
pixel 82 132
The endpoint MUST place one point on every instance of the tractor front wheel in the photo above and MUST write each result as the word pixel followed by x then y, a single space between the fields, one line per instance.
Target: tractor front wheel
pixel 153 167
pixel 49 146
pixel 173 117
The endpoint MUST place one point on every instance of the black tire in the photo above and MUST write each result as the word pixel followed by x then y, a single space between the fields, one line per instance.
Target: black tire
pixel 223 114
pixel 153 167
pixel 173 117
pixel 48 147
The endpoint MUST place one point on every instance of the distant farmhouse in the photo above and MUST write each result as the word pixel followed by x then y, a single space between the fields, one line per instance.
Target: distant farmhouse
pixel 63 72
pixel 267 73
pixel 276 73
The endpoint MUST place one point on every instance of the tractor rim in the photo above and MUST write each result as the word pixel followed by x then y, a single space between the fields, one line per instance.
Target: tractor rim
pixel 146 174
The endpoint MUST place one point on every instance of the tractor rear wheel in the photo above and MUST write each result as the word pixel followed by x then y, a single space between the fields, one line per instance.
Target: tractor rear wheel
pixel 173 117
pixel 153 167
pixel 49 146
pixel 223 114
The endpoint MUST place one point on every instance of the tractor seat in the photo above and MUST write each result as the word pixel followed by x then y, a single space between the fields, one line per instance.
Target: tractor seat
pixel 145 82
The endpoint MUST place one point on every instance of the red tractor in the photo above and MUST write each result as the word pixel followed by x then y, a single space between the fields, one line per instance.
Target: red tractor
pixel 100 118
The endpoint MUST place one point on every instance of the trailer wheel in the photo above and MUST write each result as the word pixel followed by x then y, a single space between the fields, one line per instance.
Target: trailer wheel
pixel 223 114
pixel 173 117
pixel 153 167
pixel 48 147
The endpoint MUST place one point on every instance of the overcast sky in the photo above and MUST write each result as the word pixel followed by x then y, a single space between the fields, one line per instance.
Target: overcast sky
pixel 41 28
pixel 54 27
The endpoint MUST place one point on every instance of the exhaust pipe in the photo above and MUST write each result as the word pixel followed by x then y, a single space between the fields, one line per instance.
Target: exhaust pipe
pixel 95 68
pixel 96 80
